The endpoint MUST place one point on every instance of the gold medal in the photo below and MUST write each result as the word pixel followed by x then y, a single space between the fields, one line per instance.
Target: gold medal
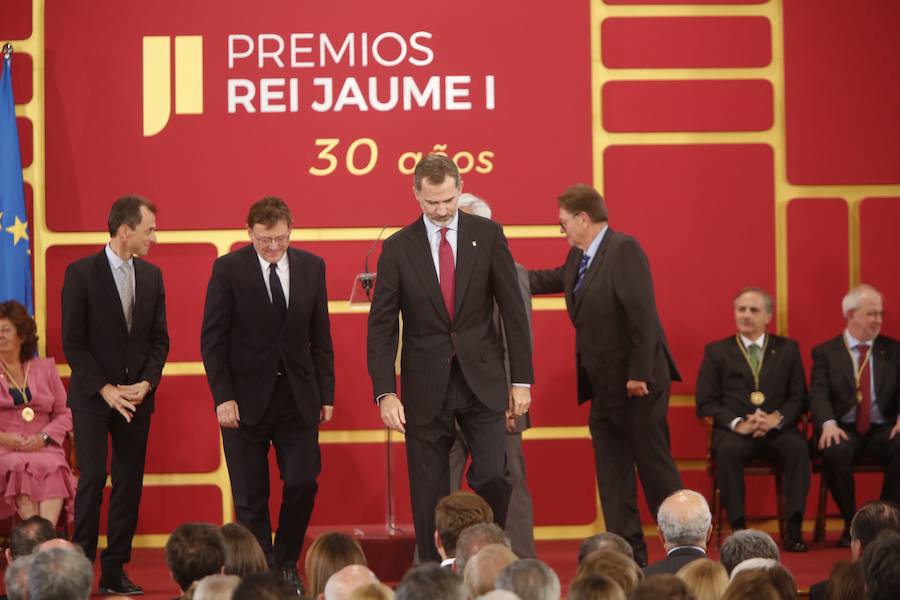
pixel 28 414
pixel 859 396
pixel 757 398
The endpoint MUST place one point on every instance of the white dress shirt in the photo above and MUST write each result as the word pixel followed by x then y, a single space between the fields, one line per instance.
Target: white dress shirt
pixel 115 263
pixel 434 240
pixel 284 274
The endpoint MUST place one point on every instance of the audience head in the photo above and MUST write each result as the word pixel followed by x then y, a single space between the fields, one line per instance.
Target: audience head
pixel 431 582
pixel 499 595
pixel 881 566
pixel 340 585
pixel 707 579
pixel 595 586
pixel 60 574
pixel 613 564
pixel 243 554
pixel 26 536
pixel 751 585
pixel 474 538
pixel 58 543
pixel 216 587
pixel 372 591
pixel 662 586
pixel 605 541
pixel 871 519
pixel 472 204
pixel 16 577
pixel 863 308
pixel 328 554
pixel 684 520
pixel 482 569
pixel 744 544
pixel 453 514
pixel 530 579
pixel 780 578
pixel 264 586
pixel 845 582
pixel 193 551
pixel 752 311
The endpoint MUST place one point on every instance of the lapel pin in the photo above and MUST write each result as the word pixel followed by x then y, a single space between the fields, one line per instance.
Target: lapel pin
pixel 474 243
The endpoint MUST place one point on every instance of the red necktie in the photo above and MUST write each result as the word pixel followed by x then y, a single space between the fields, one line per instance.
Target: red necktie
pixel 448 273
pixel 864 409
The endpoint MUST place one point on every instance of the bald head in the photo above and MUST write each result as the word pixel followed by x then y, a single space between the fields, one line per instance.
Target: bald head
pixel 684 519
pixel 341 584
pixel 58 543
pixel 482 569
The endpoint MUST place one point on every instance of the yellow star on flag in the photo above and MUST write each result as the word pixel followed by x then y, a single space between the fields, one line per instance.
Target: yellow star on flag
pixel 19 230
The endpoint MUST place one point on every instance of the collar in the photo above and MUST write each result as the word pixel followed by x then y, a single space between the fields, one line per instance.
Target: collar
pixel 449 561
pixel 282 263
pixel 595 244
pixel 115 261
pixel 677 548
pixel 760 341
pixel 853 342
pixel 432 229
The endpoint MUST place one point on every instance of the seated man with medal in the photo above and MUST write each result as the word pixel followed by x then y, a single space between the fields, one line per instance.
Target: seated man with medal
pixel 855 392
pixel 35 478
pixel 752 385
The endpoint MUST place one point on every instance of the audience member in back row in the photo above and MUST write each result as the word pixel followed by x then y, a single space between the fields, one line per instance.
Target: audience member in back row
pixel 431 582
pixel 328 554
pixel 606 540
pixel 481 571
pixel 614 565
pixel 707 579
pixel 530 579
pixel 476 537
pixel 662 586
pixel 881 566
pixel 452 515
pixel 243 554
pixel 745 544
pixel 685 525
pixel 193 551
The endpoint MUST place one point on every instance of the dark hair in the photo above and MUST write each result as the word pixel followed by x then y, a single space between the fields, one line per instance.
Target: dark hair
pixel 768 304
pixel 583 198
pixel 25 326
pixel 264 586
pixel 881 566
pixel 328 554
pixel 606 540
pixel 783 582
pixel 431 582
pixel 435 168
pixel 193 551
pixel 268 212
pixel 595 586
pixel 243 554
pixel 845 582
pixel 457 511
pixel 28 534
pixel 663 586
pixel 751 585
pixel 872 518
pixel 127 211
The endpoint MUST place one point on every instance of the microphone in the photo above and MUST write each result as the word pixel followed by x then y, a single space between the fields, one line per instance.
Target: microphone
pixel 367 278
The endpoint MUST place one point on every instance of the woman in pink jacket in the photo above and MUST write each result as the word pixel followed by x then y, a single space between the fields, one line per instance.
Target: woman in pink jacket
pixel 35 478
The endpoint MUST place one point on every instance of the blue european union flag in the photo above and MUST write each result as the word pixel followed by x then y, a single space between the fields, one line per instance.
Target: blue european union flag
pixel 15 263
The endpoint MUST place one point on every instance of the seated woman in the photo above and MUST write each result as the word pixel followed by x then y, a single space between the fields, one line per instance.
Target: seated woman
pixel 35 478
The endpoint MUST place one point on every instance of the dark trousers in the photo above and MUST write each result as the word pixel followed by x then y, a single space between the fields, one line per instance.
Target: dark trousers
pixel 428 452
pixel 634 433
pixel 520 515
pixel 786 448
pixel 129 450
pixel 839 458
pixel 299 463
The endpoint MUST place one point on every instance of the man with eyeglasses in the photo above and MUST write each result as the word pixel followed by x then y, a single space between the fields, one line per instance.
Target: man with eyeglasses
pixel 622 361
pixel 266 345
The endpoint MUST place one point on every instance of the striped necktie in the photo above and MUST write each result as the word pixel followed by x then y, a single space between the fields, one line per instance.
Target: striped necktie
pixel 582 269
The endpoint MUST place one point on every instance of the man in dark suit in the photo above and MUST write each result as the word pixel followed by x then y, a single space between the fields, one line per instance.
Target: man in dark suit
pixel 443 273
pixel 266 345
pixel 855 394
pixel 115 339
pixel 622 360
pixel 753 387
pixel 685 525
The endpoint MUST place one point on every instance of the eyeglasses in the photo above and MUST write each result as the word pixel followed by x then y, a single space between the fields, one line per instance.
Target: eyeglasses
pixel 281 240
pixel 564 222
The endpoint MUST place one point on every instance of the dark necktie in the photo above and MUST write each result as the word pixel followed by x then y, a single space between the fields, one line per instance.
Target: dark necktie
pixel 278 300
pixel 864 408
pixel 448 273
pixel 582 269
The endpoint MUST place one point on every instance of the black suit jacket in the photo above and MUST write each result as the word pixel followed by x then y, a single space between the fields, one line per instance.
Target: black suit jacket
pixel 674 561
pixel 96 340
pixel 243 341
pixel 726 381
pixel 833 383
pixel 618 335
pixel 408 284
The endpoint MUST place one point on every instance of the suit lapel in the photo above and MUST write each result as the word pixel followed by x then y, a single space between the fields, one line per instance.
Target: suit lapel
pixel 466 256
pixel 420 257
pixel 881 365
pixel 596 265
pixel 142 295
pixel 770 360
pixel 843 359
pixel 571 275
pixel 258 286
pixel 108 287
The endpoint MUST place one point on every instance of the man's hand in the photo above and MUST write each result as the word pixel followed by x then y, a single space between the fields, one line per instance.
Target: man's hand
pixel 136 392
pixel 13 441
pixel 832 434
pixel 746 426
pixel 392 412
pixel 519 400
pixel 636 388
pixel 32 443
pixel 894 431
pixel 765 422
pixel 510 422
pixel 326 413
pixel 118 401
pixel 228 414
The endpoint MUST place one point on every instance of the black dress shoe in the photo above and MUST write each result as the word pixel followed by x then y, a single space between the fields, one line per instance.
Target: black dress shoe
pixel 844 540
pixel 118 583
pixel 290 575
pixel 795 544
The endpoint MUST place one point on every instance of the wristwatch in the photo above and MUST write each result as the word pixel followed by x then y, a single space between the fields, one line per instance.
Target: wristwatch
pixel 46 438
